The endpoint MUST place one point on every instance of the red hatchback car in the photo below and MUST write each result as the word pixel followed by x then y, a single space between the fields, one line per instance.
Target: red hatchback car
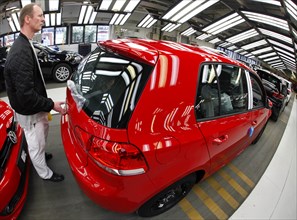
pixel 148 119
pixel 14 165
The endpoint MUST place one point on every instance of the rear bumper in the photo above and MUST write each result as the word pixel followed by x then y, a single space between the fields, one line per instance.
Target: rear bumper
pixel 14 183
pixel 123 194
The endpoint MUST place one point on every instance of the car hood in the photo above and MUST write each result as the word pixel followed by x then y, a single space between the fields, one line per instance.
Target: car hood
pixel 6 119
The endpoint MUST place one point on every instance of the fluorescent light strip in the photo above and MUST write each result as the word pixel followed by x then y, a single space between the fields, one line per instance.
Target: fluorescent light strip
pixel 118 5
pixel 255 44
pixel 203 36
pixel 47 19
pixel 291 7
pixel 223 28
pixel 276 35
pixel 174 27
pixel 266 49
pixel 82 14
pixel 16 21
pixel 53 19
pixel 267 55
pixel 186 10
pixel 11 24
pixel 148 21
pixel 273 2
pixel 105 5
pixel 281 45
pixel 244 53
pixel 196 11
pixel 175 10
pixel 238 50
pixel 151 24
pixel 148 17
pixel 283 56
pixel 120 17
pixel 226 44
pixel 131 5
pixel 54 5
pixel 266 19
pixel 232 47
pixel 188 32
pixel 220 22
pixel 214 41
pixel 59 18
pixel 275 61
pixel 113 19
pixel 271 58
pixel 242 36
pixel 285 52
pixel 125 18
pixel 88 14
pixel 166 27
pixel 93 17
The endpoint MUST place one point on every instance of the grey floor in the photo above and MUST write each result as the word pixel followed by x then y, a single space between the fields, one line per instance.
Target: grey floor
pixel 65 200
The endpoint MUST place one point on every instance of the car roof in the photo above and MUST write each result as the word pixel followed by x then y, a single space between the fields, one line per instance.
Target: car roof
pixel 148 50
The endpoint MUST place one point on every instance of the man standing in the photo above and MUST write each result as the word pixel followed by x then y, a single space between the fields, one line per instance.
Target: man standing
pixel 27 93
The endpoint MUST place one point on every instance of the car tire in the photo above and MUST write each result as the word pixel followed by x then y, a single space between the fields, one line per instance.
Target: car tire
pixel 167 198
pixel 62 72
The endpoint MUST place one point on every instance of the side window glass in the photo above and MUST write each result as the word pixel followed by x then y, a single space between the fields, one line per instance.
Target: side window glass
pixel 258 95
pixel 233 89
pixel 207 102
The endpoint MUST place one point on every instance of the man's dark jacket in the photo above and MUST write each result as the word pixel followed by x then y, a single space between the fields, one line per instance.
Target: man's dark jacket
pixel 25 88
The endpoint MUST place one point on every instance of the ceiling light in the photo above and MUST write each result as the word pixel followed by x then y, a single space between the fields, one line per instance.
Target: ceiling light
pixel 119 19
pixel 170 27
pixel 226 44
pixel 147 21
pixel 276 35
pixel 242 36
pixel 203 36
pixel 281 45
pixel 232 47
pixel 214 41
pixel 263 50
pixel 285 52
pixel 267 55
pixel 87 14
pixel 270 59
pixel 11 24
pixel 266 19
pixel 273 2
pixel 16 20
pixel 238 50
pixel 224 24
pixel 188 32
pixel 186 9
pixel 118 5
pixel 244 53
pixel 255 44
pixel 54 5
pixel 291 8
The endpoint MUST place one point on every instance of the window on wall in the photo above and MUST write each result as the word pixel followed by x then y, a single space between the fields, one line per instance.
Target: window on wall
pixel 90 33
pixel 102 33
pixel 61 35
pixel 47 36
pixel 77 34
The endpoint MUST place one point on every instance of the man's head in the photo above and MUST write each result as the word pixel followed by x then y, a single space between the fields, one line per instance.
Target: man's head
pixel 31 18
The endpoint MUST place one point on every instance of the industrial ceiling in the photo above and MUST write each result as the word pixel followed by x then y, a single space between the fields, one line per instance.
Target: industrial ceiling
pixel 264 30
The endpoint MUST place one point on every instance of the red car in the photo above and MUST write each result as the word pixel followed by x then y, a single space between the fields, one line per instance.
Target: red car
pixel 148 119
pixel 14 165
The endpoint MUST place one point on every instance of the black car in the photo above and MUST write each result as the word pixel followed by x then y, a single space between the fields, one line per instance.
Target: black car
pixel 276 92
pixel 55 64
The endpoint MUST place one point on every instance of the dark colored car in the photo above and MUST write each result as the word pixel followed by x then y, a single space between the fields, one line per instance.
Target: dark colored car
pixel 14 165
pixel 276 92
pixel 55 64
pixel 58 65
pixel 148 119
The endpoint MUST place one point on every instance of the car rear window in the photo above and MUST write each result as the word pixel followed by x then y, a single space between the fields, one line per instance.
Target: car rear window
pixel 111 85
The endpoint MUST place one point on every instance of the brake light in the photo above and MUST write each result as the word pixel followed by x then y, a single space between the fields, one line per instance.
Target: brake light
pixel 118 158
pixel 277 95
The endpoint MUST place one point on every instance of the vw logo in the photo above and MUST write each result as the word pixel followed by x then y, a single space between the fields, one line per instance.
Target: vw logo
pixel 12 137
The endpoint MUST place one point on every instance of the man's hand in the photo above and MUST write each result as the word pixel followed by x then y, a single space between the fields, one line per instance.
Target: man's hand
pixel 58 107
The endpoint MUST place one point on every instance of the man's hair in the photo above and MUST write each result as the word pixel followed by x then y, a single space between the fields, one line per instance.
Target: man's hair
pixel 27 10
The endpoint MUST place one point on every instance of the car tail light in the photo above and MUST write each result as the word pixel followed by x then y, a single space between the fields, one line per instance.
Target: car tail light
pixel 122 159
pixel 277 95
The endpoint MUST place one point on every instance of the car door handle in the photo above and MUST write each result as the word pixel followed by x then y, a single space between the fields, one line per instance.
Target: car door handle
pixel 221 139
pixel 254 122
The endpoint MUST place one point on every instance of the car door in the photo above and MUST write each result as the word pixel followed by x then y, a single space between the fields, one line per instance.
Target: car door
pixel 222 111
pixel 258 107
